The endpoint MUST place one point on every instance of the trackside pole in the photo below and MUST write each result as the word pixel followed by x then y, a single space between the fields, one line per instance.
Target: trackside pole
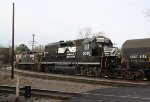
pixel 17 89
pixel 12 62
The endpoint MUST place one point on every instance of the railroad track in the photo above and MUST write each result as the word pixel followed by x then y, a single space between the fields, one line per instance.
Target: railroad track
pixel 81 79
pixel 38 92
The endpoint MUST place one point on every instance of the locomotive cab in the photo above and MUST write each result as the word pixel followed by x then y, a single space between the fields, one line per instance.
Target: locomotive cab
pixel 91 50
pixel 98 56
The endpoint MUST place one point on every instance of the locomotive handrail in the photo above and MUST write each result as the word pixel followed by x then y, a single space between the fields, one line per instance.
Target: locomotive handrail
pixel 39 61
pixel 102 60
pixel 106 61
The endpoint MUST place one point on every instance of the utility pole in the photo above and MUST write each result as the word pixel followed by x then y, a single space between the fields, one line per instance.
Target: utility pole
pixel 33 42
pixel 12 64
pixel 114 44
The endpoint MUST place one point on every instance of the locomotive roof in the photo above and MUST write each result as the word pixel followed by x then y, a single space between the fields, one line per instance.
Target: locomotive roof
pixel 78 42
pixel 136 43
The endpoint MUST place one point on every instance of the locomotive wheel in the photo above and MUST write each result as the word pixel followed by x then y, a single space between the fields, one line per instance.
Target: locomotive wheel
pixel 52 68
pixel 78 71
pixel 111 74
pixel 19 67
pixel 123 74
pixel 83 71
pixel 92 71
pixel 27 67
pixel 96 72
pixel 47 69
pixel 147 76
pixel 130 75
pixel 33 68
pixel 139 75
pixel 38 68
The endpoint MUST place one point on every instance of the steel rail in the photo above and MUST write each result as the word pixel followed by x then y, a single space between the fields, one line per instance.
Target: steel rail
pixel 39 92
pixel 81 79
pixel 110 82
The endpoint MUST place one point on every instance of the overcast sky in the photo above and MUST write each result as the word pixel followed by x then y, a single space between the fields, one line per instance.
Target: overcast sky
pixel 55 20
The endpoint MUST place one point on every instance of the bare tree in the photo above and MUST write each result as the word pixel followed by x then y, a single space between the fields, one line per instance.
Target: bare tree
pixel 39 48
pixel 85 32
pixel 148 13
pixel 102 34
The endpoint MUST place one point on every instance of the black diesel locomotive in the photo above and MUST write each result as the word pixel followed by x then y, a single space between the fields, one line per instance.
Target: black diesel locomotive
pixel 89 57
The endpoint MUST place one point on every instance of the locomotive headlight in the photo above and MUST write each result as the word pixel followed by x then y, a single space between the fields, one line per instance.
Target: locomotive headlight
pixel 100 39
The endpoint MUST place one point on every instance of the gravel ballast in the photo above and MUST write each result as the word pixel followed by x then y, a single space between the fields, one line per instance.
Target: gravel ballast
pixel 58 85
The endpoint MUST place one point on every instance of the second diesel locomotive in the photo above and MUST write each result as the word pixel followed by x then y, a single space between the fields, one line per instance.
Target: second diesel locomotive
pixel 94 56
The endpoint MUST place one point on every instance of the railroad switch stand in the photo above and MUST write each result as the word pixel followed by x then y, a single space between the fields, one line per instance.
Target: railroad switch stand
pixel 27 91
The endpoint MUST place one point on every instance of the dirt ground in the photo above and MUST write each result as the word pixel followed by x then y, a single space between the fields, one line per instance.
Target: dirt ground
pixel 5 79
